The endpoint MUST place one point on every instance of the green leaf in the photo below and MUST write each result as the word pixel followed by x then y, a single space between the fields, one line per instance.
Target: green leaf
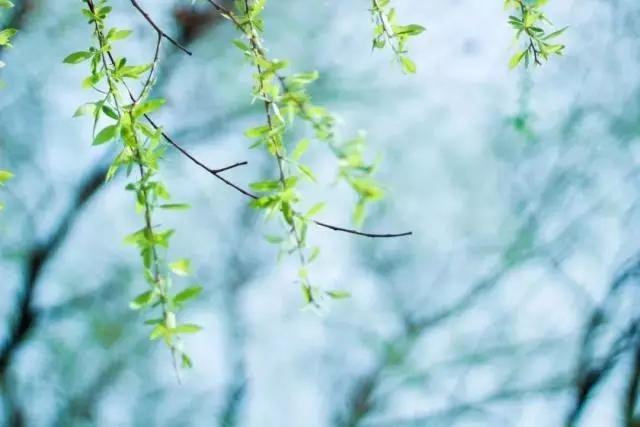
pixel 315 252
pixel 257 132
pixel 110 112
pixel 5 176
pixel 106 135
pixel 6 4
pixel 409 30
pixel 187 328
pixel 5 36
pixel 300 149
pixel 119 34
pixel 186 361
pixel 187 294
pixel 181 267
pixel 339 294
pixel 516 59
pixel 77 57
pixel 175 206
pixel 133 71
pixel 241 45
pixel 263 186
pixel 142 300
pixel 274 239
pixel 148 106
pixel 159 331
pixel 306 171
pixel 407 64
pixel 84 109
pixel 555 34
pixel 315 209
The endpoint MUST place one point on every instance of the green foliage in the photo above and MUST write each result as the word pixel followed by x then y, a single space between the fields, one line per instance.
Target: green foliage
pixel 528 23
pixel 286 98
pixel 119 114
pixel 4 177
pixel 387 31
pixel 5 41
pixel 120 117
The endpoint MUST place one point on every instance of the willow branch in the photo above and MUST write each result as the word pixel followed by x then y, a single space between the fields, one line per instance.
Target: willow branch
pixel 226 13
pixel 160 32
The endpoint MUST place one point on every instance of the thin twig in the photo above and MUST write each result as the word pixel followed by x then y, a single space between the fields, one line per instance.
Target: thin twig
pixel 158 29
pixel 226 13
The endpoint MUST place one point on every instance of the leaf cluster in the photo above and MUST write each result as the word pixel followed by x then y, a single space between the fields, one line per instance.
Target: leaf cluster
pixel 529 22
pixel 387 31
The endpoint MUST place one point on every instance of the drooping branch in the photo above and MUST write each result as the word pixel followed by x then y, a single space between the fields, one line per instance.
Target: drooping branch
pixel 42 253
pixel 226 13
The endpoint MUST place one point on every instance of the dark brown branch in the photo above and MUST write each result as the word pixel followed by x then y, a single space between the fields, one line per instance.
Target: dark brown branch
pixel 37 260
pixel 591 377
pixel 633 388
pixel 155 26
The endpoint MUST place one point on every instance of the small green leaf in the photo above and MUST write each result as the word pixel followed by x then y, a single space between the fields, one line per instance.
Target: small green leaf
pixel 516 59
pixel 181 267
pixel 307 172
pixel 409 30
pixel 300 149
pixel 142 300
pixel 77 57
pixel 5 36
pixel 407 64
pixel 84 109
pixel 148 106
pixel 119 34
pixel 274 239
pixel 106 135
pixel 315 209
pixel 187 328
pixel 187 294
pixel 339 294
pixel 5 176
pixel 159 331
pixel 186 361
pixel 175 206
pixel 264 186
pixel 315 252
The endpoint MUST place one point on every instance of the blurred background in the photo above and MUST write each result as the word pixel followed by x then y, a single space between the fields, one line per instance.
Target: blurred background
pixel 513 304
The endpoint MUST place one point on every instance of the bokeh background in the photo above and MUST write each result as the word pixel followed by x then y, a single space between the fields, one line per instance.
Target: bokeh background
pixel 515 303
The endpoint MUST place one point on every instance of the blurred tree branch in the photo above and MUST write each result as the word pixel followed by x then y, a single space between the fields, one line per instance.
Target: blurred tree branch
pixel 41 253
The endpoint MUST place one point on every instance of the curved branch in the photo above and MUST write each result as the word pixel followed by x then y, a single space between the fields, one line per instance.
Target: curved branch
pixel 155 26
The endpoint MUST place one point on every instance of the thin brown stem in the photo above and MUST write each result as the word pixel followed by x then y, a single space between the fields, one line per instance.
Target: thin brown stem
pixel 160 32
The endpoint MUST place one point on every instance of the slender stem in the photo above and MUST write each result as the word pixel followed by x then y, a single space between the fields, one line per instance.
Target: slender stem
pixel 148 209
pixel 161 33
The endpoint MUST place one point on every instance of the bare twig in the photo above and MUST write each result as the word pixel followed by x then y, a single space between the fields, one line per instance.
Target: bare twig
pixel 158 29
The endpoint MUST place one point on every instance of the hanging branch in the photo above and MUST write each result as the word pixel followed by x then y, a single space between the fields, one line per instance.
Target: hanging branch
pixel 321 120
pixel 538 45
pixel 5 41
pixel 387 31
pixel 141 150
